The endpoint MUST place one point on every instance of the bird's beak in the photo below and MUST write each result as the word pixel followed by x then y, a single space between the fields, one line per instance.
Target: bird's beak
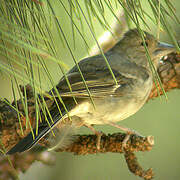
pixel 163 49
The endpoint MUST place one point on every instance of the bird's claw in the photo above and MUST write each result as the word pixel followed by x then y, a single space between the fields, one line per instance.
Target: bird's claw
pixel 127 137
pixel 98 142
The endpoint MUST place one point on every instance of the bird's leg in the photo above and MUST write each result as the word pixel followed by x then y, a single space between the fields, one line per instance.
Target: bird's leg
pixel 98 134
pixel 128 133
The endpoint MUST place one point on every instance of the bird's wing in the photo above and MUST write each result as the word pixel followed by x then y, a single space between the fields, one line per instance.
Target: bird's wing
pixel 99 83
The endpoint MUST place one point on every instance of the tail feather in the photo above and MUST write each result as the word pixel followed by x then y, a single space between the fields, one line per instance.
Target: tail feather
pixel 29 141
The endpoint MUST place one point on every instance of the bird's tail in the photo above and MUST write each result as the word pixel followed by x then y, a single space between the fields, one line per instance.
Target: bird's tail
pixel 32 138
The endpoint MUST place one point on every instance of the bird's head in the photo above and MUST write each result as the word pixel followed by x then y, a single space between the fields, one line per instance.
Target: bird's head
pixel 132 46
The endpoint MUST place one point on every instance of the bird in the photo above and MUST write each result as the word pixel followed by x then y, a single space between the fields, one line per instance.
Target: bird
pixel 105 101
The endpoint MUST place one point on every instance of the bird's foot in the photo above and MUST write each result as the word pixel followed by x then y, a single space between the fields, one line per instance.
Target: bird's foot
pixel 98 141
pixel 128 131
pixel 98 134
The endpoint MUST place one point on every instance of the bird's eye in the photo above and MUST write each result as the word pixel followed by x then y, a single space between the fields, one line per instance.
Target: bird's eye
pixel 142 44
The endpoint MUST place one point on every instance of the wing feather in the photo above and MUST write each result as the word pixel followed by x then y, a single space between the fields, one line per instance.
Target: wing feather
pixel 100 84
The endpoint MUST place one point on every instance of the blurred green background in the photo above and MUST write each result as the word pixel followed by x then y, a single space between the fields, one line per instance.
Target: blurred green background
pixel 158 117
